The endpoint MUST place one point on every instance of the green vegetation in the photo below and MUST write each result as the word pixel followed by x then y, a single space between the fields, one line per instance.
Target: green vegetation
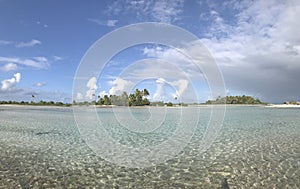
pixel 136 99
pixel 139 98
pixel 158 103
pixel 40 103
pixel 293 102
pixel 169 104
pixel 235 100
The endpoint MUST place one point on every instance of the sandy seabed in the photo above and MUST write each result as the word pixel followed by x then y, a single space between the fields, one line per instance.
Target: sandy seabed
pixel 256 148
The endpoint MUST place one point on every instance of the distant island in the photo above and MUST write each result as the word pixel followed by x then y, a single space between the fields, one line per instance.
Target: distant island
pixel 236 100
pixel 139 98
pixel 32 103
pixel 292 102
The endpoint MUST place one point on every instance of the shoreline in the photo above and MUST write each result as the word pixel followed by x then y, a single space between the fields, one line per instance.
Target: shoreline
pixel 191 106
pixel 114 106
pixel 33 106
pixel 283 106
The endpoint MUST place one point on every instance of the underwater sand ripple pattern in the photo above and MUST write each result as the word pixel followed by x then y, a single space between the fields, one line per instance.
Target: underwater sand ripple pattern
pixel 257 148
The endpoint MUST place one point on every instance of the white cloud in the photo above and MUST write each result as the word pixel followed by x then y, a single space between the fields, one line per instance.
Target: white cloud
pixel 177 63
pixel 190 63
pixel 259 51
pixel 159 94
pixel 79 96
pixel 180 86
pixel 4 42
pixel 169 54
pixel 9 67
pixel 108 23
pixel 161 81
pixel 263 27
pixel 35 62
pixel 111 23
pixel 120 85
pixel 171 69
pixel 40 84
pixel 92 85
pixel 18 77
pixel 31 43
pixel 167 11
pixel 103 93
pixel 44 25
pixel 8 84
pixel 97 21
pixel 57 58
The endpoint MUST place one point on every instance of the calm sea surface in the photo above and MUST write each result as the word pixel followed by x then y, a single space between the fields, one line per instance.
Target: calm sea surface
pixel 257 147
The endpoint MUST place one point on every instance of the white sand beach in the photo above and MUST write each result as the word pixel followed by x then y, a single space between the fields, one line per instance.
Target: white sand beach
pixel 283 106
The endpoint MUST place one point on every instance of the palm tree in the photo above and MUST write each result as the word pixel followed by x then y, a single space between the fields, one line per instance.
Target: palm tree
pixel 132 100
pixel 138 97
pixel 146 92
pixel 32 98
pixel 106 100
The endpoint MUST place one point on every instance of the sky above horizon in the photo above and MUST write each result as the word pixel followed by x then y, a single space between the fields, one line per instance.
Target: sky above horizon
pixel 256 45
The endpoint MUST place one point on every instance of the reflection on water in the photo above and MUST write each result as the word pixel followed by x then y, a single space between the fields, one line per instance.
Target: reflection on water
pixel 257 148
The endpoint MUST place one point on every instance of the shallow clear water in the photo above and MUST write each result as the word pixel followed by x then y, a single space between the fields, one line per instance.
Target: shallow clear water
pixel 257 147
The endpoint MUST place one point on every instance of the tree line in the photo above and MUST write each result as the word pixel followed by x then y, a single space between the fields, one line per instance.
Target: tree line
pixel 138 98
pixel 40 103
pixel 235 100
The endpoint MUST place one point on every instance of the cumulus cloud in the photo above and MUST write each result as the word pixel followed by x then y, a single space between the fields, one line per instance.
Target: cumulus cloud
pixel 9 67
pixel 31 43
pixel 181 86
pixel 8 84
pixel 92 87
pixel 172 70
pixel 181 58
pixel 160 94
pixel 79 96
pixel 120 85
pixel 259 52
pixel 257 45
pixel 103 93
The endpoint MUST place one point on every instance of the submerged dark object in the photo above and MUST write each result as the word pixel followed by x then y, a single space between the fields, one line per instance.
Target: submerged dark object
pixel 43 133
pixel 225 184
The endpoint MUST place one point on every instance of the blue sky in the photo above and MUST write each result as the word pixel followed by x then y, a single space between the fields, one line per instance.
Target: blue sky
pixel 256 45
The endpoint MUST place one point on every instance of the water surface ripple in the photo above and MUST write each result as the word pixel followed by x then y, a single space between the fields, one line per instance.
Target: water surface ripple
pixel 257 148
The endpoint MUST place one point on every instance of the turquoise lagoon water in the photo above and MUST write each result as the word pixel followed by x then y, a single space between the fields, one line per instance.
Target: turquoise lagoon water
pixel 257 147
